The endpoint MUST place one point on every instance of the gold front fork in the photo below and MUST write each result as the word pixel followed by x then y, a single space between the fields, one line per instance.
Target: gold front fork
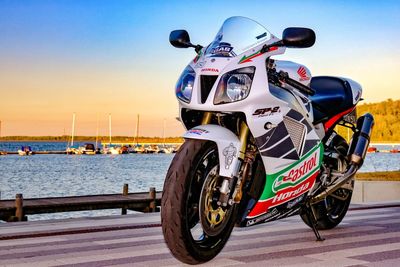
pixel 206 118
pixel 243 135
pixel 238 187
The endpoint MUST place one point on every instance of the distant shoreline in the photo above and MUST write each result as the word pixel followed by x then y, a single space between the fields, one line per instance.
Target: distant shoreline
pixel 101 139
pixel 121 139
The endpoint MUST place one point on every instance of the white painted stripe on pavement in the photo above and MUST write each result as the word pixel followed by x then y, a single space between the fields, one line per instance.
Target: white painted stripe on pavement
pixel 131 239
pixel 310 243
pixel 388 222
pixel 303 236
pixel 26 241
pixel 345 253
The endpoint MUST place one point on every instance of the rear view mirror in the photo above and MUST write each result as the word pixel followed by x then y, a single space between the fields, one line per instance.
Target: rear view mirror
pixel 295 37
pixel 180 39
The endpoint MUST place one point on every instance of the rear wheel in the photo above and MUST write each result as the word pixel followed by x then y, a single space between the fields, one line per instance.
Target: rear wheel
pixel 195 227
pixel 331 211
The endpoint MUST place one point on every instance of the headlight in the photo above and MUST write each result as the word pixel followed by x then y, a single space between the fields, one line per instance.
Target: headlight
pixel 184 86
pixel 234 85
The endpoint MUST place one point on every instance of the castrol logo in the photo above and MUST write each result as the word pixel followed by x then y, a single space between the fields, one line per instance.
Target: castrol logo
pixel 295 175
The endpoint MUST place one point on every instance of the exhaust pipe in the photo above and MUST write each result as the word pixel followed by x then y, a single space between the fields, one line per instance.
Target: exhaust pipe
pixel 360 141
pixel 357 151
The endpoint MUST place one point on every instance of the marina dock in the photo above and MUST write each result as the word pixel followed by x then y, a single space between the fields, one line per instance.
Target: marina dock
pixel 18 209
pixel 368 236
pixel 103 149
pixel 38 152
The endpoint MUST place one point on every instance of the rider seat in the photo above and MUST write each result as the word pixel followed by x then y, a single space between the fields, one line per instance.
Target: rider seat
pixel 333 95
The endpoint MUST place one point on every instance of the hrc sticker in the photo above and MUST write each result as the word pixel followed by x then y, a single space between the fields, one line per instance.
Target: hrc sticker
pixel 223 49
pixel 197 131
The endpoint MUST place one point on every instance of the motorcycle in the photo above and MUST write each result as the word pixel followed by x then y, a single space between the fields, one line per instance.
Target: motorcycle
pixel 261 143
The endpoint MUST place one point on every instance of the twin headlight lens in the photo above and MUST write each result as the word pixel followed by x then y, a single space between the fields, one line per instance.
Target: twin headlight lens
pixel 184 86
pixel 233 86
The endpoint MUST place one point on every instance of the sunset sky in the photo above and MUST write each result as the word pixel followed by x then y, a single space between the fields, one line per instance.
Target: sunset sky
pixel 99 57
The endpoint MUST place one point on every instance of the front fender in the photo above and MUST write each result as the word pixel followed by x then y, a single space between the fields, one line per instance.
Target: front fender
pixel 228 145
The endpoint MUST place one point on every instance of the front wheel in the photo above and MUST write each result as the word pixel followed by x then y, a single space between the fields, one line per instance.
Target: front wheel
pixel 195 227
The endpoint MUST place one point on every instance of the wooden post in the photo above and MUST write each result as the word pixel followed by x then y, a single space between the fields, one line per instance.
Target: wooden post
pixel 19 210
pixel 152 196
pixel 125 191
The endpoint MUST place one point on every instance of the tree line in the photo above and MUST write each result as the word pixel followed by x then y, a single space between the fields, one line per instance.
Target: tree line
pixel 387 120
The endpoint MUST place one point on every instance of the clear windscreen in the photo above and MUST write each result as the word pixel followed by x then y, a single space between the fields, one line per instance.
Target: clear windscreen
pixel 237 35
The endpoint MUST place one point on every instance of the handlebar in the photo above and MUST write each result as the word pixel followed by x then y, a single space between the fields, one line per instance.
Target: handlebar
pixel 284 77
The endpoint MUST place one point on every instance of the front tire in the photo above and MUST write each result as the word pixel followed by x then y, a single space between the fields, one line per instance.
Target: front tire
pixel 195 228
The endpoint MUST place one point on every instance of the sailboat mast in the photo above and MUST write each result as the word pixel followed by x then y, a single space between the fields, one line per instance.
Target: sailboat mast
pixel 163 133
pixel 97 131
pixel 137 129
pixel 73 129
pixel 109 125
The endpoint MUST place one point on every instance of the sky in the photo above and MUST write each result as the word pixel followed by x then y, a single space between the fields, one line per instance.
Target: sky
pixel 98 57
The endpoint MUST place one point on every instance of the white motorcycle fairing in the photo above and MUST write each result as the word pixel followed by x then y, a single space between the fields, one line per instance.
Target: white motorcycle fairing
pixel 268 129
pixel 227 142
pixel 279 117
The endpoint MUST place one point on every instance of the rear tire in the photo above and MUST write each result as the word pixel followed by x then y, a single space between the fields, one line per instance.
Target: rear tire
pixel 195 229
pixel 331 211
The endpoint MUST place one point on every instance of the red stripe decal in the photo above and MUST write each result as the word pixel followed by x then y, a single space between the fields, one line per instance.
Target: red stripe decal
pixel 332 121
pixel 283 196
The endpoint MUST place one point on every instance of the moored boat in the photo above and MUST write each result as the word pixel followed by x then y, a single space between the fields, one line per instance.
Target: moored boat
pixel 372 149
pixel 115 150
pixel 166 150
pixel 25 151
pixel 73 150
pixel 108 149
pixel 138 149
pixel 175 149
pixel 152 149
pixel 88 149
pixel 124 150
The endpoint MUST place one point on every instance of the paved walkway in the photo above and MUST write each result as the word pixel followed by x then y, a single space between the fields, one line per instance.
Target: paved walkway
pixel 366 237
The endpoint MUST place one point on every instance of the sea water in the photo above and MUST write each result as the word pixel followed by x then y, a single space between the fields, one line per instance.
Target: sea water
pixel 72 175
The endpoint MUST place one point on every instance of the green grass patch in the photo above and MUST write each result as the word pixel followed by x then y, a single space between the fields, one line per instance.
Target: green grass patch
pixel 378 176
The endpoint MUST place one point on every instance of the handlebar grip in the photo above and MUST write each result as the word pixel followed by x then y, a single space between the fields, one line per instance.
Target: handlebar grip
pixel 299 86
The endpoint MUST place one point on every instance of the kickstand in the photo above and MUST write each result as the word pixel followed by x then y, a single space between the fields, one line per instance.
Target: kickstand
pixel 313 221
